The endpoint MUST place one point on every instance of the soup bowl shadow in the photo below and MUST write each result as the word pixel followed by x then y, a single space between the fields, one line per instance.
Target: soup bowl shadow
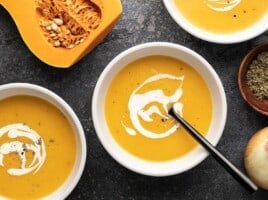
pixel 26 89
pixel 159 168
pixel 221 38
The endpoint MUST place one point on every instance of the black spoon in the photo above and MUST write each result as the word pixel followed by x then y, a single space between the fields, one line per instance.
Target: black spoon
pixel 236 173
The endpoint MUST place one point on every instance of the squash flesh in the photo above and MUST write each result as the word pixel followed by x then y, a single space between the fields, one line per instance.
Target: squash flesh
pixel 27 20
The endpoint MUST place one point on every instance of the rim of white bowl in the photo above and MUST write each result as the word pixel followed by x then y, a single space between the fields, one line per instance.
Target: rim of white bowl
pixel 14 89
pixel 228 38
pixel 130 161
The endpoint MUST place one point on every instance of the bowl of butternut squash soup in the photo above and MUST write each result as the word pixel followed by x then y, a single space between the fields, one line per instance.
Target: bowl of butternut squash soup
pixel 220 21
pixel 42 144
pixel 130 108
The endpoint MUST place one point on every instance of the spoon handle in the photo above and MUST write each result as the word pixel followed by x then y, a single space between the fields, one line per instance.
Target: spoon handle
pixel 233 170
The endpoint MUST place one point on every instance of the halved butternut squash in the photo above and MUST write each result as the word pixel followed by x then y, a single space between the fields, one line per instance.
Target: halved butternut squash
pixel 60 32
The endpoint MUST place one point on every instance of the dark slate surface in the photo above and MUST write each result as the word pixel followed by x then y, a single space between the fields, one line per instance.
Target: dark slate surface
pixel 103 178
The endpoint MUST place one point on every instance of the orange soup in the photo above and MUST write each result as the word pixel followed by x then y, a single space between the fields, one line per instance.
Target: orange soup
pixel 223 16
pixel 37 148
pixel 137 103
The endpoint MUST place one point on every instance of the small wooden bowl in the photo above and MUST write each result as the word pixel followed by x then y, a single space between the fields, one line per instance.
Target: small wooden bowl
pixel 259 105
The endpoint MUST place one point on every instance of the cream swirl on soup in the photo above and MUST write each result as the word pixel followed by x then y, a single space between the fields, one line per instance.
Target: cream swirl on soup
pixel 222 5
pixel 36 145
pixel 143 105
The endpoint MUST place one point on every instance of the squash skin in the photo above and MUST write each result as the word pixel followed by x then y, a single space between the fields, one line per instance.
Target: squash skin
pixel 24 14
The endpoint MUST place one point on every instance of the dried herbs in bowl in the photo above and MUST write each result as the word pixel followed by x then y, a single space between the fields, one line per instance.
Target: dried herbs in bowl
pixel 253 78
pixel 257 76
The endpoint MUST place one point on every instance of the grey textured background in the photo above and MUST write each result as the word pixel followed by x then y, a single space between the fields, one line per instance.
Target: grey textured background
pixel 103 178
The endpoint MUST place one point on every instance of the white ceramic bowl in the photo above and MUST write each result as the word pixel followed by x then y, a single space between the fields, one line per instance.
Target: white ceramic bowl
pixel 143 166
pixel 228 38
pixel 14 89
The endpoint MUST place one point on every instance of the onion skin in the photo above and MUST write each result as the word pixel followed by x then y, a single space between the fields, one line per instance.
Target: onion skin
pixel 256 158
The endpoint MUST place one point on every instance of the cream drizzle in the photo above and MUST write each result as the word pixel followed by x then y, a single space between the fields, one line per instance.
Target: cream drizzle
pixel 15 131
pixel 222 5
pixel 137 103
